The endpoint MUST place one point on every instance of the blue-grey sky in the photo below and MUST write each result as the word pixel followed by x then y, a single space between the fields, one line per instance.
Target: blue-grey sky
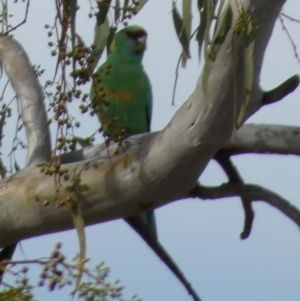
pixel 203 237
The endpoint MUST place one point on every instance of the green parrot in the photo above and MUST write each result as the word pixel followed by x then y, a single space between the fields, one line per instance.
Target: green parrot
pixel 121 95
pixel 121 92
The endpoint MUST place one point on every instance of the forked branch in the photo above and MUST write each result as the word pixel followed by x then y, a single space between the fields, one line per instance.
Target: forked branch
pixel 252 192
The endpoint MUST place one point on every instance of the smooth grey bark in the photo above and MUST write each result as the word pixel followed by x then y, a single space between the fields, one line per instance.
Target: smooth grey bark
pixel 265 139
pixel 254 192
pixel 250 138
pixel 31 99
pixel 156 168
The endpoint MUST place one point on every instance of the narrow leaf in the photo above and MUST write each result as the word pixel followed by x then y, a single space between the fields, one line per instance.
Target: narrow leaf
pixel 69 8
pixel 125 9
pixel 110 38
pixel 187 24
pixel 201 32
pixel 211 46
pixel 103 6
pixel 100 39
pixel 219 14
pixel 180 30
pixel 17 166
pixel 3 169
pixel 200 4
pixel 73 10
pixel 208 16
pixel 223 27
pixel 117 11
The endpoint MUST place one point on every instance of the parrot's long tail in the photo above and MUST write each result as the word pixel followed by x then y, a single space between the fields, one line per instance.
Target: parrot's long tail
pixel 139 224
pixel 6 254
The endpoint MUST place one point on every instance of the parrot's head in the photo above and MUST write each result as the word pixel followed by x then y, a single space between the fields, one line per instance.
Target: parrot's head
pixel 130 40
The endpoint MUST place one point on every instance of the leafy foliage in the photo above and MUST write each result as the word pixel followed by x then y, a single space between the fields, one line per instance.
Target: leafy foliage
pixel 57 274
pixel 182 28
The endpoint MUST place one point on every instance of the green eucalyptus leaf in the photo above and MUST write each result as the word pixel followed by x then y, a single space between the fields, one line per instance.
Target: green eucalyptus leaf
pixel 201 32
pixel 125 9
pixel 221 31
pixel 103 6
pixel 117 11
pixel 69 8
pixel 187 24
pixel 100 40
pixel 200 4
pixel 110 38
pixel 73 10
pixel 180 30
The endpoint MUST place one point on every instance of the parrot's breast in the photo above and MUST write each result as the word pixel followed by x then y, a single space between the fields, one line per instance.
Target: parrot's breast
pixel 122 96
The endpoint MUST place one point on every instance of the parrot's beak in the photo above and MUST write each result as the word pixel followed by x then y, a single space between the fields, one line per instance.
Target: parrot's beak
pixel 141 44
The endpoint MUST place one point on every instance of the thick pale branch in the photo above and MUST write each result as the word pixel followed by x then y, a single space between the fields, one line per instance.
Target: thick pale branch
pixel 249 139
pixel 253 192
pixel 31 98
pixel 104 151
pixel 265 139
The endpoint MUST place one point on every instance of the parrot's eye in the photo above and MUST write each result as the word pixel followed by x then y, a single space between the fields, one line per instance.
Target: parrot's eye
pixel 136 34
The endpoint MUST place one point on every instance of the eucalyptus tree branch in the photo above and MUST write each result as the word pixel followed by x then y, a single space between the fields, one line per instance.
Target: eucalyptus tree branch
pixel 235 178
pixel 157 168
pixel 31 99
pixel 253 192
pixel 104 151
pixel 265 139
pixel 249 139
pixel 281 91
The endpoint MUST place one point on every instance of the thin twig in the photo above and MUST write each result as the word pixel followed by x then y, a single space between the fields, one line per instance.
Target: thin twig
pixel 24 20
pixel 177 68
pixel 289 17
pixel 176 79
pixel 253 192
pixel 290 38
